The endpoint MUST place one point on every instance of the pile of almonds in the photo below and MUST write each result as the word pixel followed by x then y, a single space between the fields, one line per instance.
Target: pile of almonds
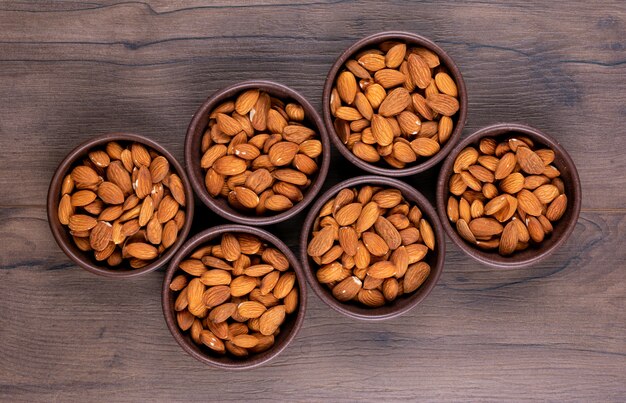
pixel 234 295
pixel 123 203
pixel 370 244
pixel 506 194
pixel 394 102
pixel 259 153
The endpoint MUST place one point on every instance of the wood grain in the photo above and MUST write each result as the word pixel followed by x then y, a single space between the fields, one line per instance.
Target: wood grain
pixel 70 70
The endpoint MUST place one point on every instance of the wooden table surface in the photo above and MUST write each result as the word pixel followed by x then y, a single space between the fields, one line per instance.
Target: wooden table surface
pixel 70 70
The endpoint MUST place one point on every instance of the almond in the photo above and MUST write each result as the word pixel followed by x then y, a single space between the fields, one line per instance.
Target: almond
pixel 100 236
pixel 382 130
pixel 159 168
pixel 81 222
pixel 389 78
pixel 142 251
pixel 242 285
pixel 505 166
pixel 346 86
pixel 271 320
pixel 347 289
pixel 529 161
pixel 557 208
pixel 529 203
pixel 415 276
pixel 282 153
pixel 284 285
pixel 383 269
pixel 508 240
pixel 215 296
pixel 365 152
pixel 278 203
pixel 395 55
pixel 321 242
pixel 375 244
pixel 546 193
pixel 485 227
pixel 167 209
pixel 222 312
pixel 229 165
pixel 372 62
pixel 396 101
pixel 443 104
pixel 419 71
pixel 140 155
pixel 246 101
pixel 84 175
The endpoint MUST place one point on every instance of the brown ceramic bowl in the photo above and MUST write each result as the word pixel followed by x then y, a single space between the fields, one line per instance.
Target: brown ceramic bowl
pixel 61 233
pixel 288 329
pixel 193 153
pixel 410 39
pixel 403 303
pixel 562 228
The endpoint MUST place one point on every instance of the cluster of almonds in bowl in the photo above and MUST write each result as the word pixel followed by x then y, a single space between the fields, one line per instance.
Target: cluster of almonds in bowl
pixel 123 203
pixel 232 293
pixel 371 245
pixel 257 152
pixel 505 194
pixel 395 103
pixel 509 195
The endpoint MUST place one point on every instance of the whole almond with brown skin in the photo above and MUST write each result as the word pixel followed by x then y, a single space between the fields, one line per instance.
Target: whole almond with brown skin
pixel 215 277
pixel 271 320
pixel 242 285
pixel 485 227
pixel 382 130
pixel 375 244
pixel 321 242
pixel 284 285
pixel 347 289
pixel 251 309
pixel 395 55
pixel 505 166
pixel 443 104
pixel 415 276
pixel 529 203
pixel 508 240
pixel 346 86
pixel 142 251
pixel 396 101
pixel 216 295
pixel 222 312
pixel 557 208
pixel 419 71
pixel 389 78
pixel 383 269
pixel 529 161
pixel 367 218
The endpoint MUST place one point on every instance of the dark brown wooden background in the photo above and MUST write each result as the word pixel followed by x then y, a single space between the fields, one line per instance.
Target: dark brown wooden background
pixel 70 70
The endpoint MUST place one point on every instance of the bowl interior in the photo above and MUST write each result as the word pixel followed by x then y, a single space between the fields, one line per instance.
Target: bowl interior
pixel 193 153
pixel 288 329
pixel 410 39
pixel 404 302
pixel 562 228
pixel 61 233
